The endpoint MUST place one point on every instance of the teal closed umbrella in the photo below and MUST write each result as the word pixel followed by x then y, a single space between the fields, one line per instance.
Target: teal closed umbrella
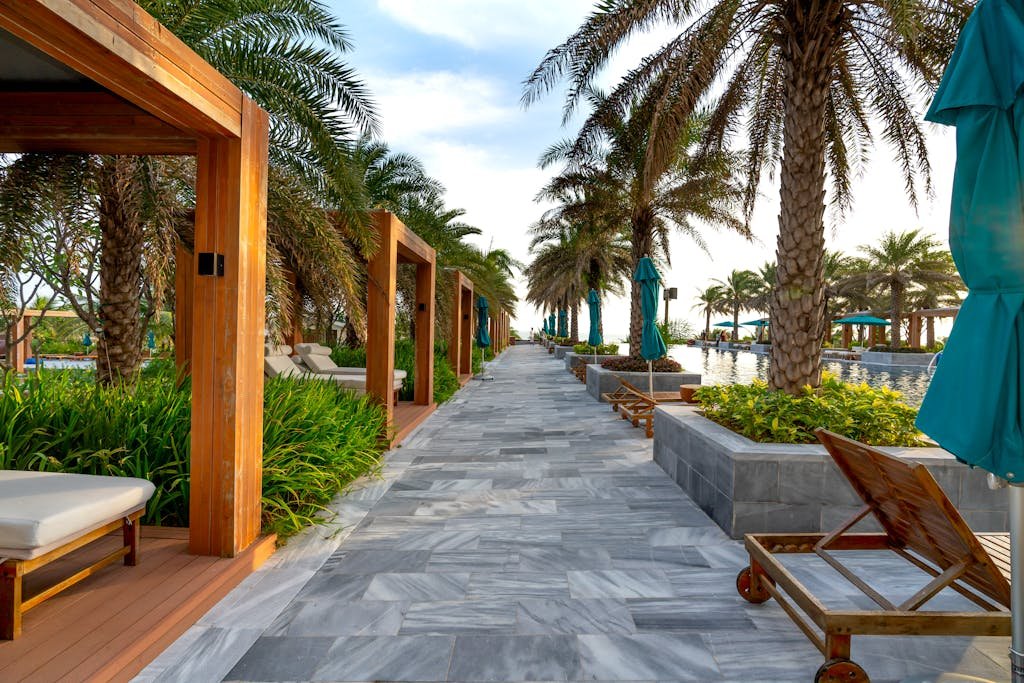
pixel 973 407
pixel 652 346
pixel 544 326
pixel 594 304
pixel 482 337
pixel 563 323
pixel 551 324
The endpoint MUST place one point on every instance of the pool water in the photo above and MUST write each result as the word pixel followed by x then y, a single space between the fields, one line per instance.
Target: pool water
pixel 742 367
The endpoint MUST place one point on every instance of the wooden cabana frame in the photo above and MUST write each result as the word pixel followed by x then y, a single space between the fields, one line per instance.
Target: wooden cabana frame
pixel 928 316
pixel 460 338
pixel 21 351
pixel 114 81
pixel 397 244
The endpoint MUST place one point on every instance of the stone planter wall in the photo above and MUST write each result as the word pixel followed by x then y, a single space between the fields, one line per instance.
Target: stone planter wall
pixel 761 348
pixel 572 359
pixel 560 351
pixel 880 358
pixel 749 487
pixel 601 381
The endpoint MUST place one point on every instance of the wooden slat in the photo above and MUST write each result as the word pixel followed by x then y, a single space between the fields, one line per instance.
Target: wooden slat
pixel 423 390
pixel 126 51
pixel 466 346
pixel 382 272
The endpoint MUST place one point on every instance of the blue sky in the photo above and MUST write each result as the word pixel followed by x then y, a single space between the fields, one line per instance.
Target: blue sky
pixel 447 76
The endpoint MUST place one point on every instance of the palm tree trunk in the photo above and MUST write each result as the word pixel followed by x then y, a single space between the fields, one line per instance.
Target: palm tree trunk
pixel 735 323
pixel 119 351
pixel 707 324
pixel 897 314
pixel 574 321
pixel 930 339
pixel 798 300
pixel 643 240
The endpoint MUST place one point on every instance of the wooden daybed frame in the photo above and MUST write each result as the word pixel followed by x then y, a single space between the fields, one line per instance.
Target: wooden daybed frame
pixel 920 525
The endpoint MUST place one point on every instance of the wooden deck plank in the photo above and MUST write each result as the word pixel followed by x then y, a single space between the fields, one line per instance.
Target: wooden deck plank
pixel 110 626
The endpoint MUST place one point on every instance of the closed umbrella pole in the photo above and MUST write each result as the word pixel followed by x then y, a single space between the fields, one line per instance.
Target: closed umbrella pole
pixel 482 338
pixel 981 95
pixel 652 346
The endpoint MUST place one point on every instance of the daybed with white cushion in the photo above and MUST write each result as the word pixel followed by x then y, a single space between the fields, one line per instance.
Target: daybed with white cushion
pixel 46 515
pixel 317 358
pixel 278 363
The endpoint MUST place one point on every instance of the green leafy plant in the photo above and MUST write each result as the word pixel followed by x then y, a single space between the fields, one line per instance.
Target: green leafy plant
pixel 601 350
pixel 627 364
pixel 675 332
pixel 445 381
pixel 873 416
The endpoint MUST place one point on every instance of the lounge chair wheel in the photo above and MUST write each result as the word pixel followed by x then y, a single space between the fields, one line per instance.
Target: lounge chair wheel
pixel 841 671
pixel 745 587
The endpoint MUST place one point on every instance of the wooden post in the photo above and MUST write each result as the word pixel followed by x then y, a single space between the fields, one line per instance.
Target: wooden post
pixel 184 284
pixel 227 340
pixel 424 389
pixel 380 314
pixel 16 352
pixel 466 345
pixel 455 336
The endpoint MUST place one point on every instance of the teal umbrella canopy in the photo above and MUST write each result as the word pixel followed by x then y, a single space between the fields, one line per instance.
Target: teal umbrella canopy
pixel 861 320
pixel 87 340
pixel 151 340
pixel 563 323
pixel 594 304
pixel 973 407
pixel 551 324
pixel 483 338
pixel 763 322
pixel 727 323
pixel 652 346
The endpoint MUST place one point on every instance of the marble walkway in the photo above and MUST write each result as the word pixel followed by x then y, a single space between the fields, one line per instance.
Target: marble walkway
pixel 523 534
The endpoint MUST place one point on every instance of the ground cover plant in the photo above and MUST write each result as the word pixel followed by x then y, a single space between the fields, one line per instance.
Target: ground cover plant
pixel 601 349
pixel 317 438
pixel 873 416
pixel 628 364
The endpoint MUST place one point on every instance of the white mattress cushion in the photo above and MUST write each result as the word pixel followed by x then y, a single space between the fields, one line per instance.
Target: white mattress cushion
pixel 44 509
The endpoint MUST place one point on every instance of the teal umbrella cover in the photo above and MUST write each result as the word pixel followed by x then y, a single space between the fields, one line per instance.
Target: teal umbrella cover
pixel 763 322
pixel 551 324
pixel 861 320
pixel 594 304
pixel 563 323
pixel 652 346
pixel 973 407
pixel 483 339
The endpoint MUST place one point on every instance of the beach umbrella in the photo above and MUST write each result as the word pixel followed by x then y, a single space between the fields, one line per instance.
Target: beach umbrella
pixel 563 323
pixel 727 323
pixel 973 407
pixel 760 324
pixel 482 337
pixel 87 341
pixel 861 320
pixel 652 346
pixel 594 304
pixel 551 324
pixel 151 341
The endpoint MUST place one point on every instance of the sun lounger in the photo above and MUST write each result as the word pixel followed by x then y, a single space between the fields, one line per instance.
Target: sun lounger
pixel 318 359
pixel 918 524
pixel 46 515
pixel 277 362
pixel 638 406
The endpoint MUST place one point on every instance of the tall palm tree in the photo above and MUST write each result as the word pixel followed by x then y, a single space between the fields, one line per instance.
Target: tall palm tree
pixel 710 301
pixel 902 263
pixel 805 81
pixel 606 168
pixel 738 291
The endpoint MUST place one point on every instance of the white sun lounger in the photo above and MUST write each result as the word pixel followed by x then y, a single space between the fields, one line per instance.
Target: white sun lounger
pixel 46 515
pixel 278 363
pixel 317 358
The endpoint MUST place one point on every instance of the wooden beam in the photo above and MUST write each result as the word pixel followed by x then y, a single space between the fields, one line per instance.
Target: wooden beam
pixel 123 49
pixel 227 341
pixel 465 366
pixel 382 273
pixel 455 332
pixel 184 287
pixel 423 392
pixel 16 355
pixel 91 122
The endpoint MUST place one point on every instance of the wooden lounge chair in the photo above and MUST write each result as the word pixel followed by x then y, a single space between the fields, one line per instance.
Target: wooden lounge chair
pixel 920 525
pixel 638 406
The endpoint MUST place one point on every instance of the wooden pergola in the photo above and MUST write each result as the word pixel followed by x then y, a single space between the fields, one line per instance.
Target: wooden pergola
pixel 103 77
pixel 398 244
pixel 927 315
pixel 460 339
pixel 21 351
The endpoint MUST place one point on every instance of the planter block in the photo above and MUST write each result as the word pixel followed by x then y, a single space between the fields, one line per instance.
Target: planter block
pixel 749 487
pixel 572 359
pixel 601 381
pixel 560 351
pixel 912 359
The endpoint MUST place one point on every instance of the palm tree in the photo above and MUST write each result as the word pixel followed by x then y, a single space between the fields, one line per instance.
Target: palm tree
pixel 805 81
pixel 738 291
pixel 710 301
pixel 901 264
pixel 605 169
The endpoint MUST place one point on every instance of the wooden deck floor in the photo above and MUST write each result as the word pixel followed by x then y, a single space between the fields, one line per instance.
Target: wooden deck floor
pixel 408 416
pixel 114 623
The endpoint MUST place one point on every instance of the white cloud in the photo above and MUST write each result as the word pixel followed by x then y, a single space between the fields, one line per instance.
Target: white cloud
pixel 479 24
pixel 416 105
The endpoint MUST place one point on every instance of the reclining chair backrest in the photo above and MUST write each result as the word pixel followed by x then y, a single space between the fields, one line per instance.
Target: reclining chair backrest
pixel 915 512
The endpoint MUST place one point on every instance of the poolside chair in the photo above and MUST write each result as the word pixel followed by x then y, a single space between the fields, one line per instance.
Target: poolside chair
pixel 638 406
pixel 277 362
pixel 918 524
pixel 318 359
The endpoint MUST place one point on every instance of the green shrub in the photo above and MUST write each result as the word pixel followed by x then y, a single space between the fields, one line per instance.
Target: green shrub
pixel 601 350
pixel 445 381
pixel 317 438
pixel 629 364
pixel 873 416
pixel 901 349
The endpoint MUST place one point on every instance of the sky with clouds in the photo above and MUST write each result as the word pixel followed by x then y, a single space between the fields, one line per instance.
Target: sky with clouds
pixel 447 75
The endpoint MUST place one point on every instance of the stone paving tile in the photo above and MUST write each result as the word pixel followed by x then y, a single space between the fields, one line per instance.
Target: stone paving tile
pixel 523 533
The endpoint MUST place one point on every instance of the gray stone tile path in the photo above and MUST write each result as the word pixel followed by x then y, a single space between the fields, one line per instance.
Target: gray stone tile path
pixel 523 534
